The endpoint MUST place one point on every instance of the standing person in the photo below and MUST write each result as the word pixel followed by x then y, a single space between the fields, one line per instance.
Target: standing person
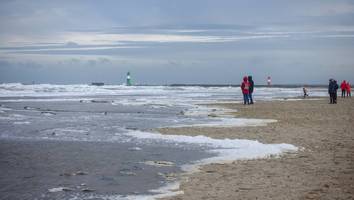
pixel 332 90
pixel 335 92
pixel 343 87
pixel 245 86
pixel 251 89
pixel 305 92
pixel 348 89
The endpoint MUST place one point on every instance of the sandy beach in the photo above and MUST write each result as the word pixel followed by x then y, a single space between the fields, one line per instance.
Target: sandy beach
pixel 323 168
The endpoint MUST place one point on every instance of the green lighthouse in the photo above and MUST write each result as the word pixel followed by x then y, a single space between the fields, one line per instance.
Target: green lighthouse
pixel 129 82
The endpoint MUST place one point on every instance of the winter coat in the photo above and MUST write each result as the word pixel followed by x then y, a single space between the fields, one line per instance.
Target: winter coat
pixel 251 84
pixel 343 85
pixel 333 87
pixel 245 86
pixel 347 88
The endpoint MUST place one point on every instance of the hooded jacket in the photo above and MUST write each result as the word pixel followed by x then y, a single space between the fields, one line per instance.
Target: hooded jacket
pixel 333 86
pixel 245 86
pixel 251 84
pixel 348 88
pixel 343 85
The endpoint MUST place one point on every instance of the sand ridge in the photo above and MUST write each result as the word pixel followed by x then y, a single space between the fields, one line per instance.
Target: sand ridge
pixel 324 169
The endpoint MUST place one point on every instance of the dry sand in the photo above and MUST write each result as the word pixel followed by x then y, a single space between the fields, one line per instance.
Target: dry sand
pixel 324 169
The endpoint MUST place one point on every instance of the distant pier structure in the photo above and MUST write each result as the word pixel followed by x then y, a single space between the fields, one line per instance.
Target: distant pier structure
pixel 129 81
pixel 97 83
pixel 269 81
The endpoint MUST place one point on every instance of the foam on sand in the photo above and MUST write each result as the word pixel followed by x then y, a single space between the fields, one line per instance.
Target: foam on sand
pixel 222 151
pixel 230 122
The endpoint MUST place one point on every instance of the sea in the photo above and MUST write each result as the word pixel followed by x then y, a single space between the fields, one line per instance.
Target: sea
pixel 101 142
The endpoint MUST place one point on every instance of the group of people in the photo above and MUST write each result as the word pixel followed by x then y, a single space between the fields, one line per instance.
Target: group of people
pixel 333 88
pixel 247 87
pixel 345 87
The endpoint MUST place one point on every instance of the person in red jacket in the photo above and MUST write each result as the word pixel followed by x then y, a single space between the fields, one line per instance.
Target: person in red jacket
pixel 245 86
pixel 343 87
pixel 348 88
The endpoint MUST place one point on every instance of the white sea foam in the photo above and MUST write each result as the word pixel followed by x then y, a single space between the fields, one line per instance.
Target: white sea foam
pixel 191 93
pixel 11 117
pixel 170 189
pixel 21 122
pixel 224 151
pixel 230 122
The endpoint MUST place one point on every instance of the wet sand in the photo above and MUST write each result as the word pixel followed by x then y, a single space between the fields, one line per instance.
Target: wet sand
pixel 322 169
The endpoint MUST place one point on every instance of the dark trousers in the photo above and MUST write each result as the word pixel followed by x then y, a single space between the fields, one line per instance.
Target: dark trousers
pixel 343 93
pixel 246 99
pixel 250 98
pixel 333 97
pixel 349 94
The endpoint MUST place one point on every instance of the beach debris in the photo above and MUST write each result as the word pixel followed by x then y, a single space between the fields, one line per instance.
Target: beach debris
pixel 48 113
pixel 137 167
pixel 29 108
pixel 127 173
pixel 99 101
pixel 87 190
pixel 105 113
pixel 65 174
pixel 212 115
pixel 78 173
pixel 60 189
pixel 31 176
pixel 134 149
pixel 168 176
pixel 160 163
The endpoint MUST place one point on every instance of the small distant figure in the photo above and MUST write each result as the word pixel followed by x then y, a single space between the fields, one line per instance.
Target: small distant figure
pixel 343 87
pixel 305 92
pixel 245 86
pixel 250 80
pixel 269 81
pixel 348 89
pixel 332 90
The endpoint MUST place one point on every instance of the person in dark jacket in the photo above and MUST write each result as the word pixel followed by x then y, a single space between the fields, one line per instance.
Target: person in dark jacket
pixel 332 90
pixel 250 81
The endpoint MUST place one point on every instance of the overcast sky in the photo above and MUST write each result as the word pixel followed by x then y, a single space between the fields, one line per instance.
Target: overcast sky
pixel 176 41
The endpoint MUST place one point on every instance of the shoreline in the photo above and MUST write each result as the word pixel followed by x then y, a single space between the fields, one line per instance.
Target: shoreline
pixel 323 169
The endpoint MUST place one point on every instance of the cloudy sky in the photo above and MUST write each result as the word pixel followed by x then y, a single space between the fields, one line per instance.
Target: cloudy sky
pixel 176 41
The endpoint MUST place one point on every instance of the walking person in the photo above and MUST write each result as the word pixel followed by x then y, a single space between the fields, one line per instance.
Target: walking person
pixel 245 86
pixel 348 89
pixel 343 87
pixel 332 91
pixel 305 92
pixel 250 80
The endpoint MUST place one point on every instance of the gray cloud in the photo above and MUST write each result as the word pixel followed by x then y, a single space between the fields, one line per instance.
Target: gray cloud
pixel 161 42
